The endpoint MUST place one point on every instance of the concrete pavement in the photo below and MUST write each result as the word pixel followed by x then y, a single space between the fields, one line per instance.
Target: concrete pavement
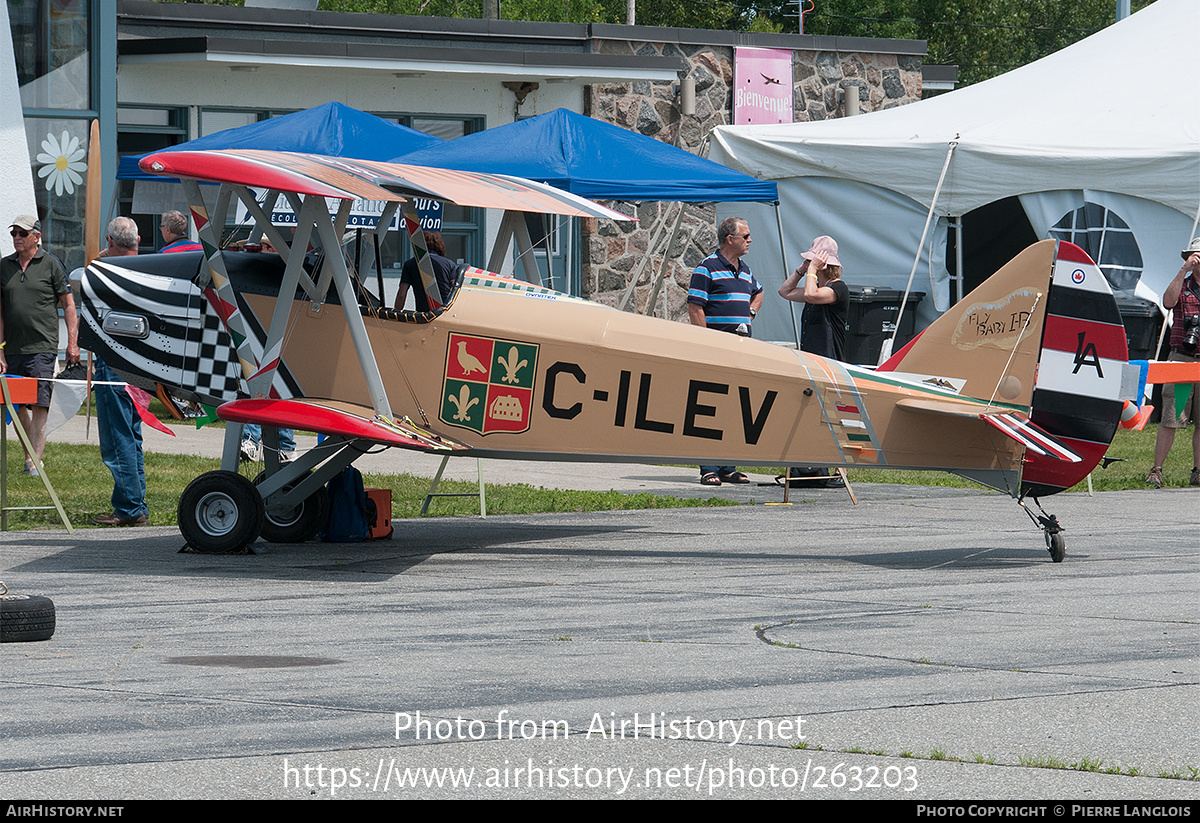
pixel 816 650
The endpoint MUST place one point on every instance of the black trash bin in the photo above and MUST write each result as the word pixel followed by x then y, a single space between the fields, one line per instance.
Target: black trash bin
pixel 1143 323
pixel 871 319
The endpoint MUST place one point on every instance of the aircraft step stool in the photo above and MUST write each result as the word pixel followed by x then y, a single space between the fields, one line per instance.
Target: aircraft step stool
pixel 438 479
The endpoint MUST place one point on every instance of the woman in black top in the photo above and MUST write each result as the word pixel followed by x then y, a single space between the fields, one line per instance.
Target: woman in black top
pixel 825 295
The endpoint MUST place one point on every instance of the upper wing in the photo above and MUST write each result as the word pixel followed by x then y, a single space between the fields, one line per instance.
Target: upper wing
pixel 370 180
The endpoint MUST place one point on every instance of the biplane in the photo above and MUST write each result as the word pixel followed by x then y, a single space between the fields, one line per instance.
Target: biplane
pixel 1019 387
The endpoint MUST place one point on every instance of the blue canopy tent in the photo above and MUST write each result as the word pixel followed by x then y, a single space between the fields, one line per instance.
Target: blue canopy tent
pixel 593 159
pixel 332 129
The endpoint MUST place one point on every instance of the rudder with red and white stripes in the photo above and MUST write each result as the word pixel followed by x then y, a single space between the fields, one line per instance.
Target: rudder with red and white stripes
pixel 1077 395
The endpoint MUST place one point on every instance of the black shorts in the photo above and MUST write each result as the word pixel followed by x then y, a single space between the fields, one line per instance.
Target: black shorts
pixel 41 366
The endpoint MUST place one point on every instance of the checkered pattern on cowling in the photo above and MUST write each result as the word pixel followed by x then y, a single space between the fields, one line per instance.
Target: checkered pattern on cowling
pixel 212 365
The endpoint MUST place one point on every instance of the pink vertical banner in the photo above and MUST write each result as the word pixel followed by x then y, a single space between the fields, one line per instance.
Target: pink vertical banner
pixel 762 80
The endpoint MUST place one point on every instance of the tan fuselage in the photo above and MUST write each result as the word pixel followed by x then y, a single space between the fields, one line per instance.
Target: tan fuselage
pixel 585 381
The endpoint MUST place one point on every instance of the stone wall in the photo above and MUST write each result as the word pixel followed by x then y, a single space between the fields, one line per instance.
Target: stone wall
pixel 613 253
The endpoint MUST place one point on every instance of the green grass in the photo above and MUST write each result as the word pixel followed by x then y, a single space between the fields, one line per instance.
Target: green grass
pixel 1135 448
pixel 1042 761
pixel 84 486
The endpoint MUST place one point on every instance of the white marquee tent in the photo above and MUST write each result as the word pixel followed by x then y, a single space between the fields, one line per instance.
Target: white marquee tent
pixel 1099 143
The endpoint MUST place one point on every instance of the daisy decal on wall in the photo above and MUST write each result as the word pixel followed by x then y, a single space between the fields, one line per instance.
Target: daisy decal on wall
pixel 63 163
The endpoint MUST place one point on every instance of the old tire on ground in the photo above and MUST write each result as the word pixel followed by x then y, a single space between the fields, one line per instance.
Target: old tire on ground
pixel 220 512
pixel 298 524
pixel 1057 546
pixel 25 617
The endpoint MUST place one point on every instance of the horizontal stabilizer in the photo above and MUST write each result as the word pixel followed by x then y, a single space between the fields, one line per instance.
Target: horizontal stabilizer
pixel 1033 437
pixel 1013 425
pixel 336 418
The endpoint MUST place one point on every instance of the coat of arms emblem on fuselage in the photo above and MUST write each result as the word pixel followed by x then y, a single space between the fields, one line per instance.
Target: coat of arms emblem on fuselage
pixel 488 384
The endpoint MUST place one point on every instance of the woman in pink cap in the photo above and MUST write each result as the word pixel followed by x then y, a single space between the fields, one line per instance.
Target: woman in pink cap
pixel 818 284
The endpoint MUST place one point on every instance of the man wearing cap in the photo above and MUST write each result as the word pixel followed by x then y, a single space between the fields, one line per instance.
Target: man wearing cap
pixel 724 295
pixel 32 287
pixel 1182 297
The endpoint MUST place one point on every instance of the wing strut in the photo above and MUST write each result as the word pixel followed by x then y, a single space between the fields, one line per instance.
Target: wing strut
pixel 416 238
pixel 259 359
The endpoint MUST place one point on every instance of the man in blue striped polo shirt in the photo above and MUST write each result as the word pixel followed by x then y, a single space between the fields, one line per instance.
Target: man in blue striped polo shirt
pixel 724 295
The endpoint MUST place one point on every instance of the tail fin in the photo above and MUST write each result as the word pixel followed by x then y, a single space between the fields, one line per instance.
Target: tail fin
pixel 1073 341
pixel 987 345
pixel 1084 355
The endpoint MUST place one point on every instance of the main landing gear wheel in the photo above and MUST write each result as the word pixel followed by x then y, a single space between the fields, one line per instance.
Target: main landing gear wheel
pixel 220 512
pixel 299 524
pixel 25 618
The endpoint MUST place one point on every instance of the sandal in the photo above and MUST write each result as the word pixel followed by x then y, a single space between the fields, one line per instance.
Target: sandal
pixel 734 477
pixel 710 479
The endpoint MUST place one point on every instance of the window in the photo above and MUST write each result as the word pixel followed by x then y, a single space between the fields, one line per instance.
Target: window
pixel 50 42
pixel 462 226
pixel 53 49
pixel 139 131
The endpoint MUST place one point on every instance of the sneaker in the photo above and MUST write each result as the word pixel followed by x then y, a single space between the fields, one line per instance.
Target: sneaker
pixel 30 469
pixel 1155 478
pixel 287 457
pixel 251 451
pixel 1194 480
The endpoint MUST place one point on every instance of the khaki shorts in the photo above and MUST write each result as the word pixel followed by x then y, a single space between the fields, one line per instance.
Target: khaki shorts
pixel 1191 412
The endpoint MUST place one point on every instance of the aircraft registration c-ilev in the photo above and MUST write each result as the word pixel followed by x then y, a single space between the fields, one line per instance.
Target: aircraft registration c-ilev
pixel 1020 386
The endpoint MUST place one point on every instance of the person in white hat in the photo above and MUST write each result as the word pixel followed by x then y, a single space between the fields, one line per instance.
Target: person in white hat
pixel 817 283
pixel 32 287
pixel 825 296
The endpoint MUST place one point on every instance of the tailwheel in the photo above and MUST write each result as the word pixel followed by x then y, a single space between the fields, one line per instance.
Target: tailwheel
pixel 220 512
pixel 1056 544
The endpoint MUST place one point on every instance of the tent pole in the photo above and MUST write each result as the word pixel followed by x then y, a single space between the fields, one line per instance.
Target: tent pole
pixel 783 259
pixel 891 341
pixel 960 276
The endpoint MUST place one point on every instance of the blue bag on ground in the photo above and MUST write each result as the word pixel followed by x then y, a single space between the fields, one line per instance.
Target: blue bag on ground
pixel 351 512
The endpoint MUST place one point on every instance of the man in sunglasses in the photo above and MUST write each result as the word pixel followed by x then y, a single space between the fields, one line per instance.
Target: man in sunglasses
pixel 32 287
pixel 724 295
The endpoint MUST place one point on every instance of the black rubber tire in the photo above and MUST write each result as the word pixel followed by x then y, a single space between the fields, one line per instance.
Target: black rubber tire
pixel 300 524
pixel 220 512
pixel 1056 544
pixel 25 617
